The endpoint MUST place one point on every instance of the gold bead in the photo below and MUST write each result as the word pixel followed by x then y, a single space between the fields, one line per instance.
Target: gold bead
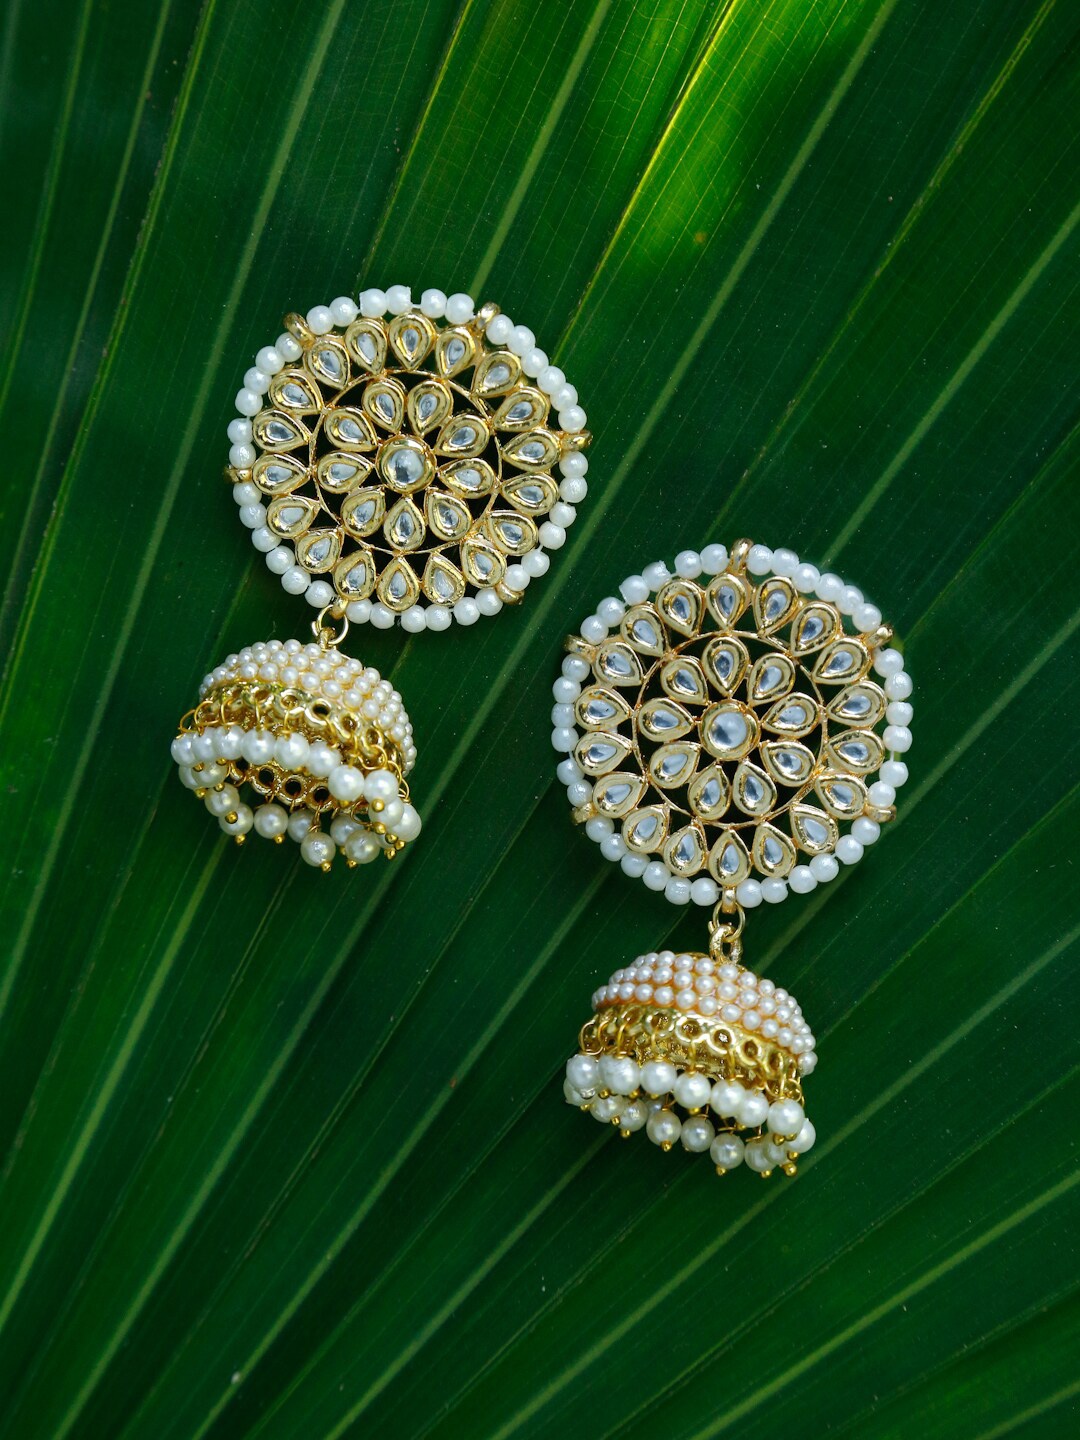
pixel 325 866
pixel 239 839
pixel 789 1167
pixel 279 839
pixel 720 1170
pixel 231 818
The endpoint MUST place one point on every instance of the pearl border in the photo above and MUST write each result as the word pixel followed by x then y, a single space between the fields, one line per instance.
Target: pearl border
pixel 457 308
pixel 888 664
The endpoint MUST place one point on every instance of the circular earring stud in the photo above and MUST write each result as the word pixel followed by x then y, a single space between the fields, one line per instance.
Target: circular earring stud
pixel 410 463
pixel 733 734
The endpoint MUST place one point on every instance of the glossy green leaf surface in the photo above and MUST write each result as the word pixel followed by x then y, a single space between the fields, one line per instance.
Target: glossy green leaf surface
pixel 285 1154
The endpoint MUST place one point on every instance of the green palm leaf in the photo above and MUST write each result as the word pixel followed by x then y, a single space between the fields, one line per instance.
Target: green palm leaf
pixel 285 1156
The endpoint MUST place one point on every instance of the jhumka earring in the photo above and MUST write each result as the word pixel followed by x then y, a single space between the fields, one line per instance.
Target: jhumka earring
pixel 395 463
pixel 732 734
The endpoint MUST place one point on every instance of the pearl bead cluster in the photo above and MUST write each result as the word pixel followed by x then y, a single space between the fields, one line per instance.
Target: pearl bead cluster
pixel 368 810
pixel 862 619
pixel 455 309
pixel 325 674
pixel 716 990
pixel 616 1090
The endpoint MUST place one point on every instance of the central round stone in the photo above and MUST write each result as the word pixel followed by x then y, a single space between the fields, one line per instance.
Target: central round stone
pixel 729 730
pixel 405 464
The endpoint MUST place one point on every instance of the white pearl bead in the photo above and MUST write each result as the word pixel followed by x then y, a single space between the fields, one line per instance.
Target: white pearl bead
pixel 726 1097
pixel 241 822
pixel 806 578
pixel 361 847
pixel 240 430
pixel 372 303
pixel 726 1152
pixel 658 1077
pixel 248 402
pixel 271 821
pixel 295 580
pixel 346 784
pixel 677 892
pixel 867 618
pixel 784 561
pixel 634 589
pixel 181 750
pixel 804 1140
pixel 572 419
pixel 865 831
pixel 634 1115
pixel 438 617
pixel 322 759
pixel 656 574
pixel 410 825
pixel 487 600
pixel 753 1109
pixel 291 751
pixel 898 687
pixel 205 745
pixel 534 361
pixel 220 802
pixel 253 516
pixel 848 850
pixel 521 340
pixel 851 597
pixel 287 346
pixel 605 1108
pixel 398 299
pixel 612 847
pixel 713 559
pixel 414 620
pixel 802 880
pixel 535 564
pixel 279 560
pixel 688 564
pixel 574 465
pixel 598 827
pixel 550 378
pixel 574 668
pixel 320 319
pixel 611 610
pixel 785 1117
pixel 317 849
pixel 258 747
pixel 344 310
pixel 552 536
pixel 888 662
pixel 594 629
pixel 881 794
pixel 633 865
pixel 663 1127
pixel 499 329
pixel 242 457
pixel 697 1134
pixel 583 1072
pixel 749 894
pixel 656 875
pixel 391 813
pixel 756 1157
pixel 433 304
pixel 564 397
pixel 264 540
pixel 381 785
pixel 562 515
pixel 773 891
pixel 568 771
pixel 341 827
pixel 466 612
pixel 256 380
pixel 563 738
pixel 319 594
pixel 704 891
pixel 830 587
pixel 620 1074
pixel 759 560
pixel 894 773
pixel 459 308
pixel 896 737
pixel 899 712
pixel 824 868
pixel 693 1090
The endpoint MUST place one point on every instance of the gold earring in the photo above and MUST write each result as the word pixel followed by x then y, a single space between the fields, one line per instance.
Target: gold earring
pixel 395 463
pixel 733 734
